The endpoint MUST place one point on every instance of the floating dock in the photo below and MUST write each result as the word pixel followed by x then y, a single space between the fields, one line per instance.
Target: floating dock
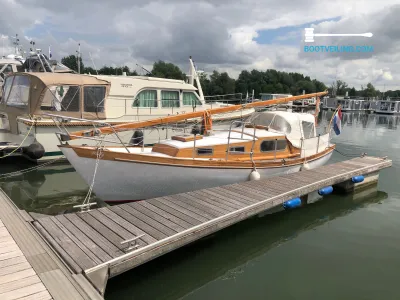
pixel 29 268
pixel 105 242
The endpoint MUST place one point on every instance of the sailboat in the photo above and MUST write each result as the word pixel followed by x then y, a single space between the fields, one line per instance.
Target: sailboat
pixel 268 143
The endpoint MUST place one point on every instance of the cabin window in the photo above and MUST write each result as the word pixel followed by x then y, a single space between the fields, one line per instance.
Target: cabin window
pixel 169 99
pixel 269 145
pixel 16 91
pixel 146 98
pixel 236 149
pixel 190 98
pixel 6 88
pixel 308 129
pixel 273 121
pixel 204 151
pixel 93 98
pixel 61 98
pixel 7 70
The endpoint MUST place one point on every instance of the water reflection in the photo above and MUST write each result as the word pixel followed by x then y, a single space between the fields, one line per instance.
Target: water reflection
pixel 361 118
pixel 224 255
pixel 390 121
pixel 57 187
pixel 51 189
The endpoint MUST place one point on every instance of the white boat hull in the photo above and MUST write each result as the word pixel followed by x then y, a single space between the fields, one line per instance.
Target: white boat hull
pixel 119 181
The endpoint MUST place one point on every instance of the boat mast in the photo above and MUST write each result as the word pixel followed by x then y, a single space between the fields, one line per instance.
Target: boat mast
pixel 193 75
pixel 90 54
pixel 205 114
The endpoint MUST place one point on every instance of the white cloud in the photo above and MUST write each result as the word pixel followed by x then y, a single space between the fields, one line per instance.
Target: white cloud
pixel 219 34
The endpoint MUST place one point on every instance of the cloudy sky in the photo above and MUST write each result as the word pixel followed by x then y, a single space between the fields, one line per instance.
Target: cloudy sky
pixel 219 34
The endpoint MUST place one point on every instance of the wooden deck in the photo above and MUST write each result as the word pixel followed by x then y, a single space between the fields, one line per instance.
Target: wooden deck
pixel 90 242
pixel 17 277
pixel 29 269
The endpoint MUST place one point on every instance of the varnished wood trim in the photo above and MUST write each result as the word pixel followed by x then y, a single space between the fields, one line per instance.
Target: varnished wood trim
pixel 87 152
pixel 66 124
pixel 219 151
pixel 257 126
pixel 186 138
pixel 165 149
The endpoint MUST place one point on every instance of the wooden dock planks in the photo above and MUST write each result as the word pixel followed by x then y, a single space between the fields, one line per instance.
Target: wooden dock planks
pixel 17 277
pixel 28 267
pixel 93 239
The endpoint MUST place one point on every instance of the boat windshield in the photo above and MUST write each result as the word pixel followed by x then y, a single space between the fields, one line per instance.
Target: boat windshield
pixel 274 122
pixel 16 91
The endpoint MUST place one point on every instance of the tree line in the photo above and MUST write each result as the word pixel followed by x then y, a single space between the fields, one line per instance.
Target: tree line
pixel 340 87
pixel 220 83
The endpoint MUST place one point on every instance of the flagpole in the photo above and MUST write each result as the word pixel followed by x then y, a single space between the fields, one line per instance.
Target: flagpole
pixel 316 110
pixel 334 113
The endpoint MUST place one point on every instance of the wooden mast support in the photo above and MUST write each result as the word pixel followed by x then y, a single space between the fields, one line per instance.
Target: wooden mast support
pixel 191 115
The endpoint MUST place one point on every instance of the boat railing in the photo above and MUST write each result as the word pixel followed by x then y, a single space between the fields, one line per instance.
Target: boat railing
pixel 236 98
pixel 152 106
pixel 64 135
pixel 242 133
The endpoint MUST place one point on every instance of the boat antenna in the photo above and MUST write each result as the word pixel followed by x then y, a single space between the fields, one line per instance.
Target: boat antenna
pixel 78 58
pixel 33 45
pixel 90 54
pixel 144 69
pixel 3 37
pixel 16 44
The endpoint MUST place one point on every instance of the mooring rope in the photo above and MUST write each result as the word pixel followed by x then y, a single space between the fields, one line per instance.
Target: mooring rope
pixel 17 173
pixel 99 155
pixel 349 155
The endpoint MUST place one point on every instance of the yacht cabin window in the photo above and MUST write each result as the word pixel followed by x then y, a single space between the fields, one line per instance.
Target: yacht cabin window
pixel 308 129
pixel 236 149
pixel 146 98
pixel 62 98
pixel 269 145
pixel 204 151
pixel 93 98
pixel 190 98
pixel 169 98
pixel 16 91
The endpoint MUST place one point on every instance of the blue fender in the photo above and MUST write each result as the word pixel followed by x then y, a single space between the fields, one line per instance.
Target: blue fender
pixel 296 202
pixel 357 179
pixel 325 191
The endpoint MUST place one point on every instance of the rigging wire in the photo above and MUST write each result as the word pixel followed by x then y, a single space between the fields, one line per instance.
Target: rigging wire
pixel 349 155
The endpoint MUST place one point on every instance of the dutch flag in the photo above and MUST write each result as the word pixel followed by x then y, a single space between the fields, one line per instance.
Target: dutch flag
pixel 337 121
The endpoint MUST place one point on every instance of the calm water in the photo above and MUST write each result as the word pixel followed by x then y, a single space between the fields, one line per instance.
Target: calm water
pixel 338 248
